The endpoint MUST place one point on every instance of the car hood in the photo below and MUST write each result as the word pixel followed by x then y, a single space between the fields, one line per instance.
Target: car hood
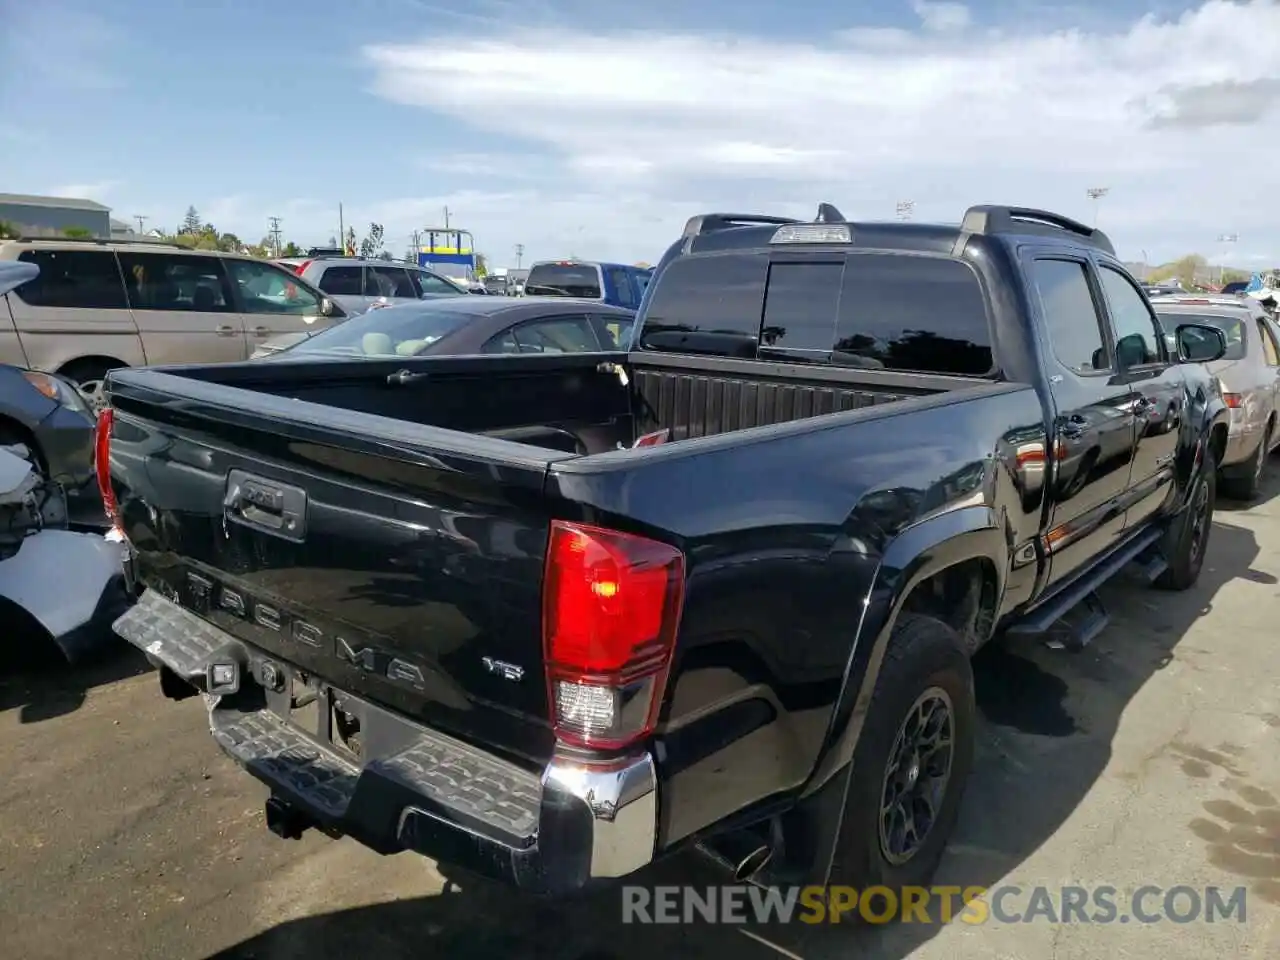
pixel 14 273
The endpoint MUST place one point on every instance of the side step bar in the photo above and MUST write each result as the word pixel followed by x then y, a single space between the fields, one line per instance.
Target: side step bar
pixel 1080 631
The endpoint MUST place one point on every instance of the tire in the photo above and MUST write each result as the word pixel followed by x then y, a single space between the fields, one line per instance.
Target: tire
pixel 1247 484
pixel 925 666
pixel 88 375
pixel 1187 539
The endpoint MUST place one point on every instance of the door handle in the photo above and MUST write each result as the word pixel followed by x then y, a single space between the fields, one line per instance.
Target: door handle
pixel 1072 427
pixel 261 331
pixel 225 331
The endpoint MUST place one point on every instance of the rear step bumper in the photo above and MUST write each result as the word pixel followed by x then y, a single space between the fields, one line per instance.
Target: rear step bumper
pixel 413 789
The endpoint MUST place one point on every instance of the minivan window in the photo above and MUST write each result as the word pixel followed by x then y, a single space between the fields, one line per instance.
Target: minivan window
pixel 912 313
pixel 342 281
pixel 708 304
pixel 88 279
pixel 563 280
pixel 166 281
pixel 267 289
pixel 430 283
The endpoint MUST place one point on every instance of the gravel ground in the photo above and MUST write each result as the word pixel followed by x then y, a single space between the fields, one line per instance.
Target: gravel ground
pixel 1148 759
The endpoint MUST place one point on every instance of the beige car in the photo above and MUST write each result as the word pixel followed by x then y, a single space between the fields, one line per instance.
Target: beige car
pixel 1250 376
pixel 97 305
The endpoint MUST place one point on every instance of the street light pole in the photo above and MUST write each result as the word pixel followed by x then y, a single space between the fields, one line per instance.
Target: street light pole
pixel 905 209
pixel 1096 194
pixel 1227 239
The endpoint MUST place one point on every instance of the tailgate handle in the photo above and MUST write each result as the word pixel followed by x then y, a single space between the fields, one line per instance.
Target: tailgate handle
pixel 266 505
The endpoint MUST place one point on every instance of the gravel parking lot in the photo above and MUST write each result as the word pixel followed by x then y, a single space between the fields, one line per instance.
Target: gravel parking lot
pixel 1148 759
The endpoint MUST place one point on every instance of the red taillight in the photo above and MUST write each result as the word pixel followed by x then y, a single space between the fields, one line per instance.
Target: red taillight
pixel 302 266
pixel 102 461
pixel 1234 400
pixel 610 607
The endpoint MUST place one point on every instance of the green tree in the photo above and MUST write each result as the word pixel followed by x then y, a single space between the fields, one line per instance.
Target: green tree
pixel 349 241
pixel 482 265
pixel 372 241
pixel 291 249
pixel 191 222
pixel 1184 269
pixel 9 231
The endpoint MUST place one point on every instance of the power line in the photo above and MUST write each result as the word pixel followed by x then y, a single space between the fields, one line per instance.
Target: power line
pixel 1096 194
pixel 141 218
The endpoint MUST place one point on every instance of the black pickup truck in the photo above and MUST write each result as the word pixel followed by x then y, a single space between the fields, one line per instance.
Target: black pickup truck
pixel 549 618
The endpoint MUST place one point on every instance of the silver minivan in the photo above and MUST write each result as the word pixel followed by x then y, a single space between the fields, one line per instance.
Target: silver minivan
pixel 98 305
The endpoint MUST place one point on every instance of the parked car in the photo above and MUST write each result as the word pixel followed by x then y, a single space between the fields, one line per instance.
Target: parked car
pixel 615 283
pixel 97 306
pixel 564 615
pixel 359 284
pixel 46 455
pixel 469 325
pixel 1250 377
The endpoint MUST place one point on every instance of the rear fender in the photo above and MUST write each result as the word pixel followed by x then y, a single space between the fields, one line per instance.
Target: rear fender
pixel 920 552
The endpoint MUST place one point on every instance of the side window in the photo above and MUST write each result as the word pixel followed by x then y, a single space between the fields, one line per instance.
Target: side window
pixel 1138 335
pixel 613 332
pixel 1070 315
pixel 707 304
pixel 394 282
pixel 73 278
pixel 433 284
pixel 502 343
pixel 264 288
pixel 340 281
pixel 800 306
pixel 162 281
pixel 1269 348
pixel 621 281
pixel 913 313
pixel 557 335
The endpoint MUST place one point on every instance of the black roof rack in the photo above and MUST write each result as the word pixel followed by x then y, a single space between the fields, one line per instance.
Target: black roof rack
pixel 100 241
pixel 989 219
pixel 707 222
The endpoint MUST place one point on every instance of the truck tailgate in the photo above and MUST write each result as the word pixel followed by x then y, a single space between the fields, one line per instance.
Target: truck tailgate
pixel 400 562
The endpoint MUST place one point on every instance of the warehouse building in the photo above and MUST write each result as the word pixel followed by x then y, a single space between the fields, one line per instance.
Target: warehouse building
pixel 53 216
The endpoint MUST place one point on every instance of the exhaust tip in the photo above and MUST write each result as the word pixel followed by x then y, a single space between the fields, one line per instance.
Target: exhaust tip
pixel 752 863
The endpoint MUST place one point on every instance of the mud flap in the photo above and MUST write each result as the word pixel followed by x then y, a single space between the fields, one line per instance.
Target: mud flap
pixel 70 583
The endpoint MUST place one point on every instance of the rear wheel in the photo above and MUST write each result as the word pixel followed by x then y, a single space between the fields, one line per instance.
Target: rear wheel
pixel 1247 484
pixel 88 375
pixel 912 762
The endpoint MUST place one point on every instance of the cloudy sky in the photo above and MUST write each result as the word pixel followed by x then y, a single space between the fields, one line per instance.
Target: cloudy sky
pixel 597 127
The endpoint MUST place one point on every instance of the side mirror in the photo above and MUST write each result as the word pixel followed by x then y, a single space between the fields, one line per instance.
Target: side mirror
pixel 1200 343
pixel 328 308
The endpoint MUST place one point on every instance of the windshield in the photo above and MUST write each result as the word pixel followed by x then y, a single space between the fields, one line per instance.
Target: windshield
pixel 404 330
pixel 563 280
pixel 1233 327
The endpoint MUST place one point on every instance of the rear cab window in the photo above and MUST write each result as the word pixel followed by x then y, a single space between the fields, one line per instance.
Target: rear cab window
pixel 564 280
pixel 881 311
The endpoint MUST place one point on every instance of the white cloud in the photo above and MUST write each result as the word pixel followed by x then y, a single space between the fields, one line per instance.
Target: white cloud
pixel 682 123
pixel 98 190
pixel 941 15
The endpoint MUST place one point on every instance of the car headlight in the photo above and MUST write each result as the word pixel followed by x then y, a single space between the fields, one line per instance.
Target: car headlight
pixel 57 390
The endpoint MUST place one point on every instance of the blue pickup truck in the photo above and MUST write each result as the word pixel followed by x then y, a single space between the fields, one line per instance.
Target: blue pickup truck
pixel 618 284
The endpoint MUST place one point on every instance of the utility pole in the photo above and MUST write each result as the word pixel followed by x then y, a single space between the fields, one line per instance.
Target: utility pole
pixel 1096 194
pixel 417 245
pixel 1227 239
pixel 905 209
pixel 446 218
pixel 141 218
pixel 519 254
pixel 275 235
pixel 342 231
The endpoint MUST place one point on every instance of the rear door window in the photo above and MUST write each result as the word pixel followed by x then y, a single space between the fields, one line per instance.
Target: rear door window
pixel 159 281
pixel 430 283
pixel 88 279
pixel 564 280
pixel 342 281
pixel 568 334
pixel 1270 349
pixel 1071 316
pixel 621 281
pixel 390 282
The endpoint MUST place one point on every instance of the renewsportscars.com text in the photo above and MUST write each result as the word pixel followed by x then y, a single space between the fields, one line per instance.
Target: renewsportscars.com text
pixel 939 904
